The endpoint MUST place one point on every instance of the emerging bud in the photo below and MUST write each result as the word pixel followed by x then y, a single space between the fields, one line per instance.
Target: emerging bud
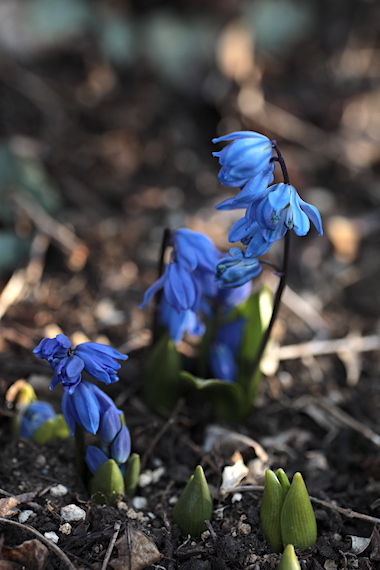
pixel 289 559
pixel 194 506
pixel 298 524
pixel 107 483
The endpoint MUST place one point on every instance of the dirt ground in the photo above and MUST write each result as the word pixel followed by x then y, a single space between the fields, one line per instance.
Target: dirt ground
pixel 97 160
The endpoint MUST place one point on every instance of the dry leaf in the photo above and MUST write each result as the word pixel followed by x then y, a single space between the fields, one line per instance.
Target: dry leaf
pixel 136 551
pixel 231 441
pixel 233 474
pixel 7 504
pixel 359 543
pixel 30 555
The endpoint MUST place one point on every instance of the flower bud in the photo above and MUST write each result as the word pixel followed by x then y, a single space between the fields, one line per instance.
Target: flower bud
pixel 194 506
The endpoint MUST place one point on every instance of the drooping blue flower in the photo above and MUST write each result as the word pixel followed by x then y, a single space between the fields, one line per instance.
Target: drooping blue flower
pixel 253 190
pixel 35 415
pixel 246 157
pixel 95 457
pixel 250 234
pixel 97 359
pixel 53 349
pixel 282 210
pixel 69 372
pixel 109 425
pixel 236 269
pixel 193 260
pixel 179 323
pixel 100 360
pixel 82 407
pixel 120 448
pixel 222 362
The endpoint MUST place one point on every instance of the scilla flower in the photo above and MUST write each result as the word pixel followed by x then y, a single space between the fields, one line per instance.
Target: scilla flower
pixel 282 210
pixel 236 269
pixel 246 157
pixel 193 258
pixel 97 359
pixel 34 416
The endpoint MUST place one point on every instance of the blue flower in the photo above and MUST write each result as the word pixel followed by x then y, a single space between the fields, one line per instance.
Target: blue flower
pixel 97 359
pixel 234 295
pixel 246 157
pixel 192 264
pixel 236 269
pixel 69 372
pixel 250 234
pixel 282 210
pixel 85 406
pixel 253 190
pixel 121 446
pixel 222 362
pixel 95 457
pixel 179 323
pixel 35 415
pixel 53 349
pixel 100 360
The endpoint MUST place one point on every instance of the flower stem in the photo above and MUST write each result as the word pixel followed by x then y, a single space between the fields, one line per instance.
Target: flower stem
pixel 167 240
pixel 283 277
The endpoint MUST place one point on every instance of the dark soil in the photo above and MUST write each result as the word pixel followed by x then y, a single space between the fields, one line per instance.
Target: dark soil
pixel 126 163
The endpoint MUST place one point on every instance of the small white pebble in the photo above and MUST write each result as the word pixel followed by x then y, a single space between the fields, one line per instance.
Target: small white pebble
pixel 59 491
pixel 52 536
pixel 151 515
pixel 40 461
pixel 25 515
pixel 65 528
pixel 139 502
pixel 72 513
pixel 146 478
pixel 236 497
pixel 172 500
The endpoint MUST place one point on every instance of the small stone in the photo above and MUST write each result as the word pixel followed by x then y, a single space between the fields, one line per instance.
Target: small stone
pixel 236 497
pixel 65 528
pixel 25 515
pixel 59 491
pixel 52 536
pixel 40 461
pixel 139 502
pixel 72 513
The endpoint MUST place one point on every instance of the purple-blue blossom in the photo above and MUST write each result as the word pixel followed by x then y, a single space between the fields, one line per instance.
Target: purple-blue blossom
pixel 99 360
pixel 236 269
pixel 245 157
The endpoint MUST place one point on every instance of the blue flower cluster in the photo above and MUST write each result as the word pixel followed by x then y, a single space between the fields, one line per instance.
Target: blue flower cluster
pixel 83 403
pixel 271 209
pixel 34 416
pixel 99 360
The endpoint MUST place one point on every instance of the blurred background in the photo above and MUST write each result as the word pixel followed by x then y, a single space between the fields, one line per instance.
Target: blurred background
pixel 107 110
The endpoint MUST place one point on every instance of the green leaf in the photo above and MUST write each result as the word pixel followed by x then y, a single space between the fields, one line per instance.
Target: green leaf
pixel 162 382
pixel 227 397
pixel 284 481
pixel 131 477
pixel 194 506
pixel 270 511
pixel 107 484
pixel 45 432
pixel 298 524
pixel 61 429
pixel 289 559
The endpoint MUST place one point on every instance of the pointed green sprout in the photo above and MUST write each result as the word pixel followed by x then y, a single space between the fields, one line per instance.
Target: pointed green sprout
pixel 298 524
pixel 131 477
pixel 289 560
pixel 194 506
pixel 107 483
pixel 286 513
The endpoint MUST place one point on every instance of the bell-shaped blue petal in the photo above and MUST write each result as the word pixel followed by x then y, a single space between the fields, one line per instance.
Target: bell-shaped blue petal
pixel 180 289
pixel 110 424
pixel 194 249
pixel 244 158
pixel 100 360
pixel 254 189
pixel 179 323
pixel 236 269
pixel 68 371
pixel 53 349
pixel 94 458
pixel 121 446
pixel 222 362
pixel 282 210
pixel 81 407
pixel 35 415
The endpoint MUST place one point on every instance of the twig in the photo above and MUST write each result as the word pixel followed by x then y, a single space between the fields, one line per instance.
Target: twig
pixel 41 537
pixel 116 527
pixel 349 513
pixel 62 235
pixel 317 347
